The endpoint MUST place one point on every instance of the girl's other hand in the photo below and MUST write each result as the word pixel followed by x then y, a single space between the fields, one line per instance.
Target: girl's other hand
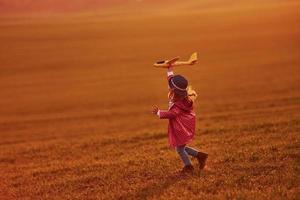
pixel 155 110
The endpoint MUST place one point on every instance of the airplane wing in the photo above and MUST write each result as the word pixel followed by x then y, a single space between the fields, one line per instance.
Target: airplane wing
pixel 173 60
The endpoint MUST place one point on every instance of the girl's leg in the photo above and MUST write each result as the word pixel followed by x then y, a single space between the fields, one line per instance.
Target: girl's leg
pixel 191 151
pixel 183 155
pixel 201 157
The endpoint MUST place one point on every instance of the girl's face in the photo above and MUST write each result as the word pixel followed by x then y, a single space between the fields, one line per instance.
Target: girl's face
pixel 171 94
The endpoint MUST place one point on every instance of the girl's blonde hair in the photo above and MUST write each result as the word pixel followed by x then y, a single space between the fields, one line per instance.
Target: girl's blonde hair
pixel 191 93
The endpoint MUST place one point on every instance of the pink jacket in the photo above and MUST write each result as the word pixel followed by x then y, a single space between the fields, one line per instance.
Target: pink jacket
pixel 182 122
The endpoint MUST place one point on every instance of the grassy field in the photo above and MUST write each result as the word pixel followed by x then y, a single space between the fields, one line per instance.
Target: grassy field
pixel 77 91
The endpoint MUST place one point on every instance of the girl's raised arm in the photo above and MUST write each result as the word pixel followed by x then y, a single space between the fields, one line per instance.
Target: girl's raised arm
pixel 170 73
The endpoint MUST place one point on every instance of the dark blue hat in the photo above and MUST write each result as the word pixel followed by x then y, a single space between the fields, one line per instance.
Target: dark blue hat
pixel 179 84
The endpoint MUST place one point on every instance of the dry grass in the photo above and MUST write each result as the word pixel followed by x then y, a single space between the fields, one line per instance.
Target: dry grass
pixel 77 91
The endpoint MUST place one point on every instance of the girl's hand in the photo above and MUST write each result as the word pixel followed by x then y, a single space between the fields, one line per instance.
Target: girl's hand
pixel 170 71
pixel 170 68
pixel 155 110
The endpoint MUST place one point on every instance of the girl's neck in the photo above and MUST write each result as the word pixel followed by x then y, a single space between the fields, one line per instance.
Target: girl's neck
pixel 176 99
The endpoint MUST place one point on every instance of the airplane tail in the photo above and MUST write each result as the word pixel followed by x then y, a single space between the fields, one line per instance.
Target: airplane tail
pixel 193 59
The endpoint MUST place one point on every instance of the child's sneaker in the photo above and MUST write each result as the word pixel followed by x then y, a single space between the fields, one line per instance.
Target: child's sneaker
pixel 187 169
pixel 202 157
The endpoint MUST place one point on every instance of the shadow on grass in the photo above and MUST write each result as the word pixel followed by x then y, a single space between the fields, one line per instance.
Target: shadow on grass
pixel 155 189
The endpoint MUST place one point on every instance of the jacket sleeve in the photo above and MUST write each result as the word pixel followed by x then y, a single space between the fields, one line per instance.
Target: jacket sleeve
pixel 169 114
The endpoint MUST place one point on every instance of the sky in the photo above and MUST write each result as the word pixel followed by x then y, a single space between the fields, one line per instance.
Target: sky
pixel 27 6
pixel 15 6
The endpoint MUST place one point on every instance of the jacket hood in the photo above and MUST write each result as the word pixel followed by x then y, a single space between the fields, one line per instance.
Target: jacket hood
pixel 185 105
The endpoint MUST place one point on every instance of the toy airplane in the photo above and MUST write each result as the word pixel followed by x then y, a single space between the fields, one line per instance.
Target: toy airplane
pixel 174 62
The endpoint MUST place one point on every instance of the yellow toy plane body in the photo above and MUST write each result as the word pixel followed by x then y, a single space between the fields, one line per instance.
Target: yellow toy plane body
pixel 174 62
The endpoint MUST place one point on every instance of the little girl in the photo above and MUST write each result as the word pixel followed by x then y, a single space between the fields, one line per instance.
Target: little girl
pixel 182 119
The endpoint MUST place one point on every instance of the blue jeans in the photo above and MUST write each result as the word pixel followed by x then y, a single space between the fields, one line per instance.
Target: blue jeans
pixel 184 151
